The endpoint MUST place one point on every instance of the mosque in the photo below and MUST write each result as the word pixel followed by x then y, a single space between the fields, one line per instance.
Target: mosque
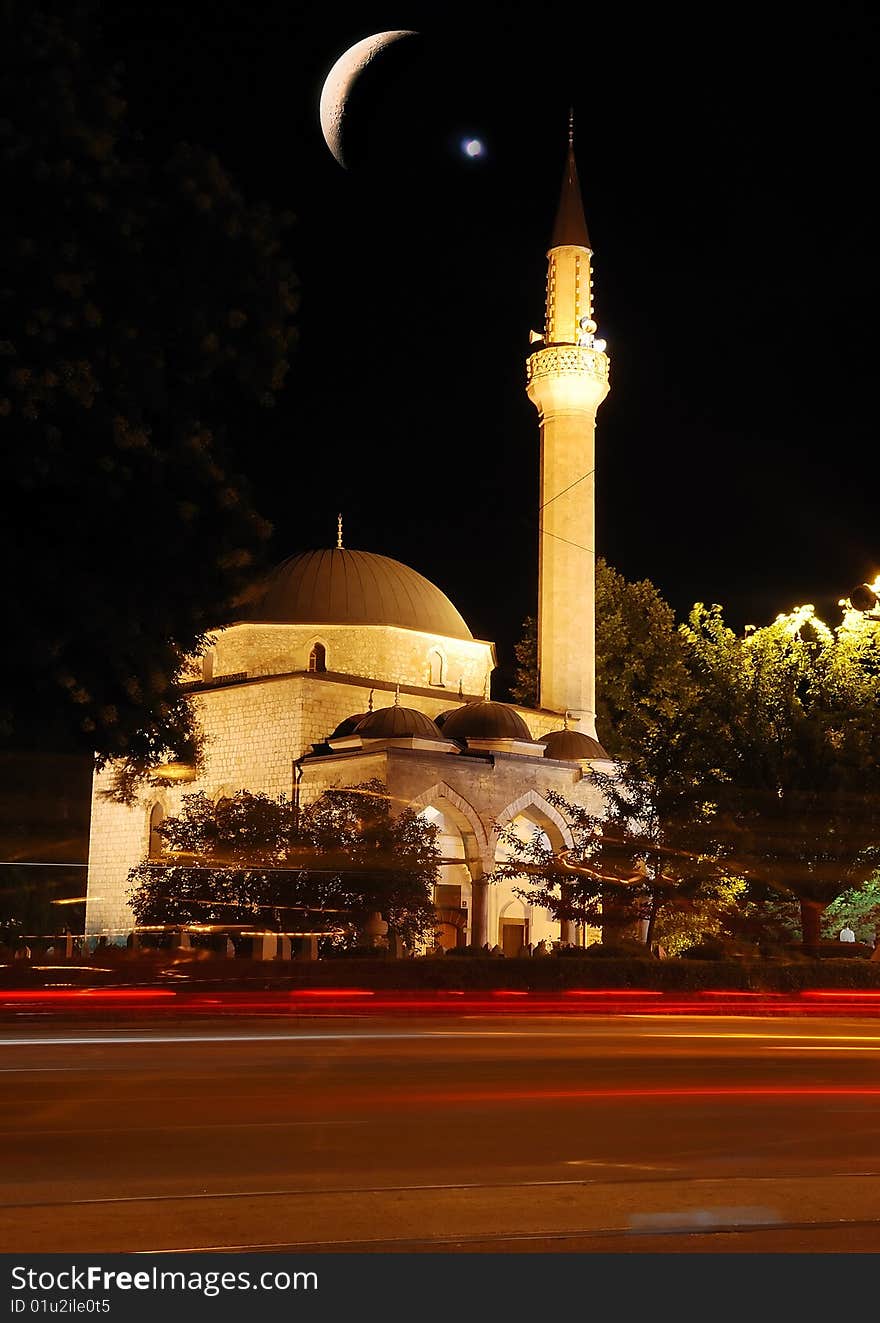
pixel 351 666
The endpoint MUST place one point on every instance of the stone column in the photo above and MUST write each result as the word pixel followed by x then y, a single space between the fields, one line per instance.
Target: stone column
pixel 479 911
pixel 567 927
pixel 265 946
pixel 308 949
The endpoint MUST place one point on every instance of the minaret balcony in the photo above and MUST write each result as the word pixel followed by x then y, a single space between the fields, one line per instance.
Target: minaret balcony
pixel 567 360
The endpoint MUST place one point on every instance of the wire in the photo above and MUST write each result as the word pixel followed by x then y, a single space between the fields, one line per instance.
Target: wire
pixel 546 533
pixel 582 478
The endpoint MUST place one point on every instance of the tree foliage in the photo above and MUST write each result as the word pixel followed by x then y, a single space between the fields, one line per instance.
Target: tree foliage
pixel 524 689
pixel 146 312
pixel 857 908
pixel 641 677
pixel 570 883
pixel 255 860
pixel 796 753
pixel 753 757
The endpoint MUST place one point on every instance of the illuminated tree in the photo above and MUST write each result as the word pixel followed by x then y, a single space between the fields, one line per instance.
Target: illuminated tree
pixel 797 788
pixel 752 757
pixel 251 859
pixel 654 845
pixel 857 908
pixel 146 313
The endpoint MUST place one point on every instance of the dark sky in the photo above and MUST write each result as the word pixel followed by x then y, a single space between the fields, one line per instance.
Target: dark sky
pixel 727 158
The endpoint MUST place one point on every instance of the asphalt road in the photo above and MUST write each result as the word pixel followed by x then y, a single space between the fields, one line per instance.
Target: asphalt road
pixel 614 1134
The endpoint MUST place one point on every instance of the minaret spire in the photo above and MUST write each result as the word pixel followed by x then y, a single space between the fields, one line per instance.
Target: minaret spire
pixel 567 380
pixel 339 532
pixel 571 224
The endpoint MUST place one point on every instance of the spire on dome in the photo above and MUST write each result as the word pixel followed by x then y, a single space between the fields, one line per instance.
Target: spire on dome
pixel 570 229
pixel 339 532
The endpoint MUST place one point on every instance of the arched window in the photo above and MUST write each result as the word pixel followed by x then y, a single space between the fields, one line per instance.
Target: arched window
pixel 318 658
pixel 436 662
pixel 156 845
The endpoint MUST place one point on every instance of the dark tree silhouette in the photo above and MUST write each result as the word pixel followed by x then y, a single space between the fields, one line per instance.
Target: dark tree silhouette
pixel 251 859
pixel 145 308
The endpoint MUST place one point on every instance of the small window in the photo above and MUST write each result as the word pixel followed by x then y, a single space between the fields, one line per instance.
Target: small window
pixel 318 658
pixel 436 666
pixel 156 845
pixel 208 666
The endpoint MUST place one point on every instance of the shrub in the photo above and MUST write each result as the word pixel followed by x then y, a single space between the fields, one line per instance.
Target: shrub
pixel 843 950
pixel 623 949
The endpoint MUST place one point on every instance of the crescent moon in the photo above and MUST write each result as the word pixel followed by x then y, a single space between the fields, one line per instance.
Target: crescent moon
pixel 342 78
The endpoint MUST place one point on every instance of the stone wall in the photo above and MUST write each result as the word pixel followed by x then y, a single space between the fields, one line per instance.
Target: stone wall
pixel 475 795
pixel 382 652
pixel 256 729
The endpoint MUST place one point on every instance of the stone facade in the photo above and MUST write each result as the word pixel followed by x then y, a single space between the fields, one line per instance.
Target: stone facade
pixel 386 653
pixel 257 728
pixel 470 796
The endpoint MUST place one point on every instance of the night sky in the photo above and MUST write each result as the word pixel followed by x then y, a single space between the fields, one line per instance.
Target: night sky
pixel 728 163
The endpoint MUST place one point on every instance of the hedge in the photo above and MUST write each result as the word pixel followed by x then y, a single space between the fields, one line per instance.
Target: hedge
pixel 474 974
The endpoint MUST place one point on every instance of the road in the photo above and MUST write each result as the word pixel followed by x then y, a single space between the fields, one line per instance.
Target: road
pixel 512 1133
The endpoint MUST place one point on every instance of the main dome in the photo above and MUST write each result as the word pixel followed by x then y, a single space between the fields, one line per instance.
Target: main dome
pixel 342 587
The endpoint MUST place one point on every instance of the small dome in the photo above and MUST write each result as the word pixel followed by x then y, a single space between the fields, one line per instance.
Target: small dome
pixel 342 587
pixel 486 721
pixel 571 746
pixel 391 723
pixel 440 719
pixel 347 727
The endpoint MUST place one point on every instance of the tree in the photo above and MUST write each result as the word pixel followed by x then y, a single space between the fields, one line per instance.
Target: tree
pixel 641 674
pixel 753 757
pixel 571 884
pixel 524 689
pixel 653 845
pixel 797 752
pixel 653 718
pixel 252 859
pixel 857 908
pixel 146 310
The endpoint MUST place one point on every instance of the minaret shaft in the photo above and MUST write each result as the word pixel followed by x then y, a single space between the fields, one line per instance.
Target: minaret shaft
pixel 567 380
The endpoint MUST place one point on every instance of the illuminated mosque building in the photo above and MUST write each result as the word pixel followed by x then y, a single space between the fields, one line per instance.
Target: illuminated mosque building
pixel 351 667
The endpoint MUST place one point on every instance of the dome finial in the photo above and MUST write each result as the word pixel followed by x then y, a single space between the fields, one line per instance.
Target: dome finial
pixel 460 688
pixel 565 720
pixel 339 532
pixel 571 126
pixel 397 694
pixel 370 702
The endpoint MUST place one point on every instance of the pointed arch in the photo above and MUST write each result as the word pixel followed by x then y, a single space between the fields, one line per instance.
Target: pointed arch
pixel 437 666
pixel 464 815
pixel 533 806
pixel 317 659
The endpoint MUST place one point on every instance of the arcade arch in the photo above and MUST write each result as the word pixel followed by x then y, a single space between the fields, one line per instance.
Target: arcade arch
pixel 513 923
pixel 460 894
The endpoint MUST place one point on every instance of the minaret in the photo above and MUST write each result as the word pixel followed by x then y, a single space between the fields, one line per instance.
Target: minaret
pixel 567 380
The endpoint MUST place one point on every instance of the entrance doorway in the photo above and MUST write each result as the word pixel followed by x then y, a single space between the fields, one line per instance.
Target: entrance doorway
pixel 513 936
